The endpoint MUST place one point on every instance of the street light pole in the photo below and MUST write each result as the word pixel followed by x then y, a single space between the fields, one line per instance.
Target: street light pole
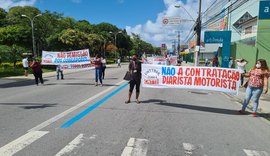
pixel 115 35
pixel 33 36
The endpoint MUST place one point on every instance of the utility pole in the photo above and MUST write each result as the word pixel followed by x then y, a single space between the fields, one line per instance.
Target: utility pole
pixel 198 32
pixel 178 46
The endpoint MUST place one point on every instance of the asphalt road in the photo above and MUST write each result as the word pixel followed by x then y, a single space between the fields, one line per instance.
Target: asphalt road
pixel 74 117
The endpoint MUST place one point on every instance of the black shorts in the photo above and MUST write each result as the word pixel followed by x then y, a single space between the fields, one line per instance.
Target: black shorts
pixel 132 84
pixel 25 68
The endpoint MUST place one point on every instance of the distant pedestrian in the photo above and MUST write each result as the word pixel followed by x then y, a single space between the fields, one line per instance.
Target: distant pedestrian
pixel 258 81
pixel 118 62
pixel 98 69
pixel 215 61
pixel 103 62
pixel 135 71
pixel 25 64
pixel 206 62
pixel 37 71
pixel 241 67
pixel 59 70
pixel 230 62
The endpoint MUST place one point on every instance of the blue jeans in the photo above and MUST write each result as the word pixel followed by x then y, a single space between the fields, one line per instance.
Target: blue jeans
pixel 99 75
pixel 61 73
pixel 255 93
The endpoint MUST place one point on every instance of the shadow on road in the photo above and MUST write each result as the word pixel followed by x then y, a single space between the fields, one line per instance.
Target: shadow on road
pixel 79 84
pixel 202 108
pixel 30 105
pixel 20 83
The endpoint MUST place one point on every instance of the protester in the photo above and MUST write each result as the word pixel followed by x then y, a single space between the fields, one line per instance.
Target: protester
pixel 59 70
pixel 241 63
pixel 135 71
pixel 37 71
pixel 258 81
pixel 206 62
pixel 103 61
pixel 215 61
pixel 98 69
pixel 118 62
pixel 25 64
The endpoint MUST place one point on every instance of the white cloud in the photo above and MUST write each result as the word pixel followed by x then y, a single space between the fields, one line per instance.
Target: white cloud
pixel 6 4
pixel 155 33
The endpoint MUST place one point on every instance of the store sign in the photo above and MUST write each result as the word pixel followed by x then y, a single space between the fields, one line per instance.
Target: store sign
pixel 224 37
pixel 264 12
pixel 171 21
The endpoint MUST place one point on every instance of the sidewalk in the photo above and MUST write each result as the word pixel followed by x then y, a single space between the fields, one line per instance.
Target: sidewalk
pixel 264 103
pixel 12 79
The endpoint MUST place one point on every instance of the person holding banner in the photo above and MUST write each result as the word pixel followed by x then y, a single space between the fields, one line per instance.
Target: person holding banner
pixel 135 68
pixel 98 69
pixel 59 70
pixel 103 61
pixel 37 71
pixel 258 81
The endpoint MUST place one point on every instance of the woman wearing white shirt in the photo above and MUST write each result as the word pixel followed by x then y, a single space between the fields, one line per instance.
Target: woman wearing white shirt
pixel 241 67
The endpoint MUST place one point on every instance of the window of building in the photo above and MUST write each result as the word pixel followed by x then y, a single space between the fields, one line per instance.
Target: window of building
pixel 248 30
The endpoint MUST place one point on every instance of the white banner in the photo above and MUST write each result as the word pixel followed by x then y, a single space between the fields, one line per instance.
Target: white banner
pixel 66 58
pixel 204 78
pixel 171 60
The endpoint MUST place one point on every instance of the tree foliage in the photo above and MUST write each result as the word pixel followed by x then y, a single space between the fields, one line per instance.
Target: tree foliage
pixel 55 32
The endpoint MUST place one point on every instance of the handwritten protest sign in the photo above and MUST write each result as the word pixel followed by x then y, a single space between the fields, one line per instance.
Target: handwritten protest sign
pixel 205 78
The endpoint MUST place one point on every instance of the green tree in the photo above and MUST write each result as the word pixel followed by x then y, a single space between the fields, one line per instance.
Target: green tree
pixel 3 15
pixel 13 34
pixel 11 53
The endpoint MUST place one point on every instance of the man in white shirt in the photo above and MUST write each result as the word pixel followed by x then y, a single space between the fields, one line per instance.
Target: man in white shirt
pixel 25 66
pixel 119 62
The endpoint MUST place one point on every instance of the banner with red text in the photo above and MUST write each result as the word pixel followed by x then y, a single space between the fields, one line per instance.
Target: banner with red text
pixel 69 57
pixel 204 78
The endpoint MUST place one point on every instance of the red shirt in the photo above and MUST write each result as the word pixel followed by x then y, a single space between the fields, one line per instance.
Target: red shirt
pixel 97 62
pixel 256 78
pixel 36 67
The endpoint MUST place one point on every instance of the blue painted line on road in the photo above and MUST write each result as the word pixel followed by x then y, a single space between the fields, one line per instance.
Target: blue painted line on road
pixel 91 108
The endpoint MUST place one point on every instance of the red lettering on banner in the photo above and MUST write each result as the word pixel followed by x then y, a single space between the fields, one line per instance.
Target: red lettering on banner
pixel 151 82
pixel 47 61
pixel 208 72
pixel 180 71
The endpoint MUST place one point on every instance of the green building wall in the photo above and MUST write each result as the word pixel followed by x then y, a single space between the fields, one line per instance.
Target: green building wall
pixel 263 40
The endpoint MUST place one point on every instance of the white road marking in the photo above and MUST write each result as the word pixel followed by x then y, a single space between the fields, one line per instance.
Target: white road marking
pixel 255 153
pixel 189 148
pixel 136 147
pixel 21 142
pixel 61 115
pixel 75 143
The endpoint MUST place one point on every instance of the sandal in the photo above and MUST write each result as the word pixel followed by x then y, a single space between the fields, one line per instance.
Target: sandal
pixel 127 102
pixel 138 102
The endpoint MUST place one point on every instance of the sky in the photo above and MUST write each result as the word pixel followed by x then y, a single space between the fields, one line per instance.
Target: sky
pixel 142 17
